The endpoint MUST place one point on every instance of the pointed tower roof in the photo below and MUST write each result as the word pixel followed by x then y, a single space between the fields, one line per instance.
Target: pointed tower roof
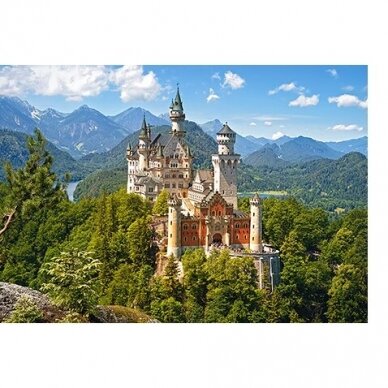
pixel 255 199
pixel 178 101
pixel 225 129
pixel 143 129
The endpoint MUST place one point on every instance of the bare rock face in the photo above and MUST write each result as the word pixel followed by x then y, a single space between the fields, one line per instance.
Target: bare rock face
pixel 11 293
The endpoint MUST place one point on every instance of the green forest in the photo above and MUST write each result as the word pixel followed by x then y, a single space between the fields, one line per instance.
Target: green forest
pixel 101 251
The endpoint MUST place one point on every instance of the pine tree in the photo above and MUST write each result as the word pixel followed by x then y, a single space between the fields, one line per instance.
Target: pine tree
pixel 34 186
pixel 161 207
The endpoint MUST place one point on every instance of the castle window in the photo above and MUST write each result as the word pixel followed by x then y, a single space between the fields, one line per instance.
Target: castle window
pixel 194 226
pixel 219 212
pixel 185 227
pixel 173 185
pixel 185 239
pixel 245 225
pixel 173 175
pixel 167 185
pixel 245 237
pixel 213 213
pixel 171 221
pixel 253 214
pixel 180 175
pixel 253 226
pixel 253 238
pixel 150 189
pixel 237 225
pixel 180 185
pixel 194 238
pixel 167 176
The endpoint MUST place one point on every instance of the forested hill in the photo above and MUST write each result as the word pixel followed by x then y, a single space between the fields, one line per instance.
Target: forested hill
pixel 201 145
pixel 13 148
pixel 327 183
pixel 324 182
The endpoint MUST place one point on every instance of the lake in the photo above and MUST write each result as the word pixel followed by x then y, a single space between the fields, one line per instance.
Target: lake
pixel 71 188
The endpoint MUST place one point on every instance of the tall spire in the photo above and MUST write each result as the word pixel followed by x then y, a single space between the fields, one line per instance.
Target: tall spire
pixel 178 101
pixel 143 129
pixel 177 116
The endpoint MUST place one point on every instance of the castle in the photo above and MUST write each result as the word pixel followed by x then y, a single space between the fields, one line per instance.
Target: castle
pixel 202 207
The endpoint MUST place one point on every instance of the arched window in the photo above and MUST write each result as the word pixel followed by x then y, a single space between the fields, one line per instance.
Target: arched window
pixel 194 226
pixel 185 227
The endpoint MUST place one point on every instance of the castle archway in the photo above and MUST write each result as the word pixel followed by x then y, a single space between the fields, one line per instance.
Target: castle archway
pixel 217 238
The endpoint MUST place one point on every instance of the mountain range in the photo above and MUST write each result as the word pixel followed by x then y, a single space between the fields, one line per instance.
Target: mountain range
pixel 297 149
pixel 81 132
pixel 87 131
pixel 13 149
pixel 253 146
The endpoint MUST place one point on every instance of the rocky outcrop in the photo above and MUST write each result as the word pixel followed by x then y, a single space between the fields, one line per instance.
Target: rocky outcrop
pixel 120 314
pixel 11 293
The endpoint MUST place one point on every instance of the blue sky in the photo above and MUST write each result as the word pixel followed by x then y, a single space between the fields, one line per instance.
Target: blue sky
pixel 323 102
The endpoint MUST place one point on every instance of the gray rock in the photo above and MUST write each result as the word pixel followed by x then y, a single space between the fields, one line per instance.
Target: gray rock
pixel 11 293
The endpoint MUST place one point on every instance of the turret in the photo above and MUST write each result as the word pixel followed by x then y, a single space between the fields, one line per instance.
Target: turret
pixel 177 115
pixel 143 149
pixel 255 242
pixel 226 138
pixel 129 151
pixel 133 163
pixel 225 164
pixel 174 226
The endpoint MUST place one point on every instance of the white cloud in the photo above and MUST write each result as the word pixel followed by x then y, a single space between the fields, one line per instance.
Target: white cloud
pixel 333 72
pixel 72 82
pixel 212 96
pixel 252 124
pixel 304 101
pixel 287 88
pixel 78 82
pixel 134 84
pixel 233 80
pixel 277 135
pixel 348 88
pixel 343 127
pixel 268 123
pixel 216 76
pixel 346 100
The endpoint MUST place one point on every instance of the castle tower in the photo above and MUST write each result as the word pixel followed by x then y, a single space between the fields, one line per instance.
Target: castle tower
pixel 132 168
pixel 144 142
pixel 225 165
pixel 177 115
pixel 174 226
pixel 255 242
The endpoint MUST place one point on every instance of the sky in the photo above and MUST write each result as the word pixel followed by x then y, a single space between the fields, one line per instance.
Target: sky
pixel 327 103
